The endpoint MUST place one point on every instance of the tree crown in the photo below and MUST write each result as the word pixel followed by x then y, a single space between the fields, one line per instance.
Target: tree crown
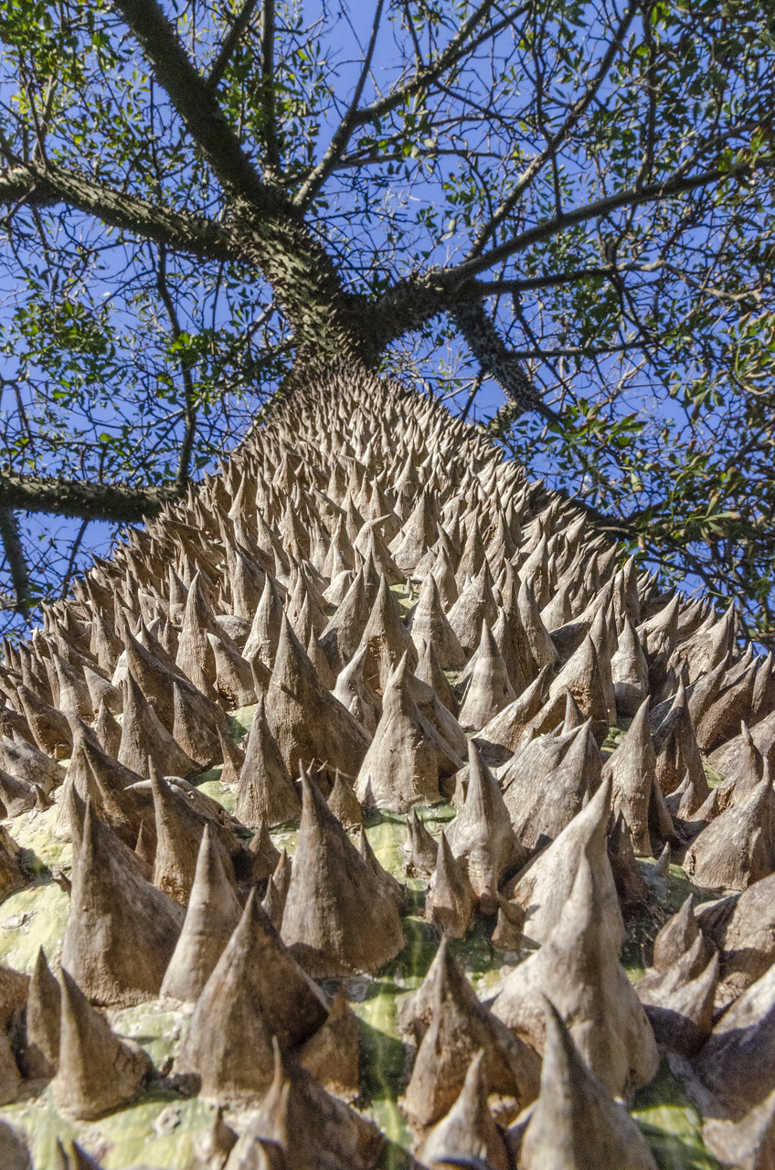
pixel 566 203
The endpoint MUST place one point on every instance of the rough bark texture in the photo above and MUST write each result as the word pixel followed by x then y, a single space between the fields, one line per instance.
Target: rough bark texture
pixel 278 580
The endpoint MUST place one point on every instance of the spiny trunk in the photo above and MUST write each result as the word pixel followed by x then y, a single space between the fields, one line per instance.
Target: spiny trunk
pixel 329 323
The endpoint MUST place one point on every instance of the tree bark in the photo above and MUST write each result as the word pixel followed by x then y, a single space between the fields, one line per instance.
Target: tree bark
pixel 119 503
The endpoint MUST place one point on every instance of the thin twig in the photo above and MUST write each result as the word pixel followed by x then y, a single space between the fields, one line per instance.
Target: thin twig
pixel 231 40
pixel 341 135
pixel 73 556
pixel 185 363
pixel 17 565
pixel 267 86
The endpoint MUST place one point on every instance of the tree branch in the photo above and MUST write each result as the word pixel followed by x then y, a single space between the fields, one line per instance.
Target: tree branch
pixel 494 357
pixel 267 86
pixel 427 74
pixel 649 130
pixel 341 135
pixel 45 186
pixel 196 104
pixel 487 288
pixel 419 298
pixel 230 43
pixel 546 353
pixel 189 404
pixel 632 197
pixel 613 527
pixel 120 503
pixel 291 257
pixel 17 565
pixel 281 247
pixel 576 112
pixel 75 549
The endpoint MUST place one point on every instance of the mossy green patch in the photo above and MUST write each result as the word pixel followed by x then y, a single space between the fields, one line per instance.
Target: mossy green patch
pixel 158 1029
pixel 285 837
pixel 34 832
pixel 384 1064
pixel 680 885
pixel 158 1130
pixel 221 793
pixel 387 834
pixel 406 598
pixel 671 1125
pixel 436 816
pixel 713 777
pixel 241 720
pixel 32 918
pixel 612 740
